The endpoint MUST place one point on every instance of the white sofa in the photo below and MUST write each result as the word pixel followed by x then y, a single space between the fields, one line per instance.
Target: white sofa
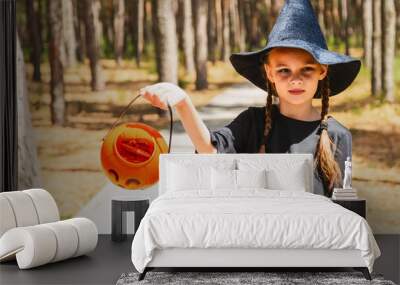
pixel 31 231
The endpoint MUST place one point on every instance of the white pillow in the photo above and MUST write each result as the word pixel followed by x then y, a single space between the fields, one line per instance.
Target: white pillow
pixel 183 177
pixel 230 179
pixel 282 173
pixel 223 179
pixel 251 178
pixel 293 180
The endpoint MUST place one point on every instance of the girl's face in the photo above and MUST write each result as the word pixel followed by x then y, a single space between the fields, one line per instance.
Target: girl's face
pixel 294 69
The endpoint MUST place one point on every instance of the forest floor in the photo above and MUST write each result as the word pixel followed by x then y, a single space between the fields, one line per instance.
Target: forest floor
pixel 70 155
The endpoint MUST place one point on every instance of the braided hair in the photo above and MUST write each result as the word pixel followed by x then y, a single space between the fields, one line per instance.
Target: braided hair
pixel 324 160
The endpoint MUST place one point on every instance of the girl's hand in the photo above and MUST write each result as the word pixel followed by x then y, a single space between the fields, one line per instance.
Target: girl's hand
pixel 161 93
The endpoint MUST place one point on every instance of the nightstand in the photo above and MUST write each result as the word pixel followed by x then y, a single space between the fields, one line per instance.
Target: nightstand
pixel 356 205
pixel 120 205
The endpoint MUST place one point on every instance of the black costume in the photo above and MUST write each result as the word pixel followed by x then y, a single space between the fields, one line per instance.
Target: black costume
pixel 287 135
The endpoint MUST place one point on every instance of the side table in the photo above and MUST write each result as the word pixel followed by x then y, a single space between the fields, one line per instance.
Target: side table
pixel 119 207
pixel 356 205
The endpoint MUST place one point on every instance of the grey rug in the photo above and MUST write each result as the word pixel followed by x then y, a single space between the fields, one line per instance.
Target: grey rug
pixel 225 278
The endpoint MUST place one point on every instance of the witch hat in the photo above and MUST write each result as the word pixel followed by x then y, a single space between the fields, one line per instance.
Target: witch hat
pixel 297 26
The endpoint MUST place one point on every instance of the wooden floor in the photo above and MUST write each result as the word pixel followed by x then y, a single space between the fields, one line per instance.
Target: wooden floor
pixel 110 259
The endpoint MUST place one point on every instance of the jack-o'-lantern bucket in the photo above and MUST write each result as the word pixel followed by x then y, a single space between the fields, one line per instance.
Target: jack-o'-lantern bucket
pixel 130 153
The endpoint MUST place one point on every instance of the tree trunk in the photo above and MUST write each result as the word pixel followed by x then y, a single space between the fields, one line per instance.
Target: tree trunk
pixel 138 27
pixel 276 6
pixel 201 52
pixel 80 30
pixel 179 23
pixel 187 36
pixel 41 12
pixel 320 14
pixel 212 31
pixel 219 28
pixel 57 104
pixel 226 48
pixel 235 24
pixel 367 32
pixel 106 18
pixel 232 24
pixel 255 24
pixel 267 19
pixel 376 49
pixel 166 41
pixel 97 22
pixel 247 16
pixel 119 19
pixel 148 26
pixel 156 41
pixel 92 43
pixel 28 163
pixel 242 26
pixel 336 23
pixel 356 22
pixel 389 36
pixel 156 36
pixel 344 24
pixel 397 4
pixel 273 9
pixel 69 33
pixel 328 18
pixel 34 37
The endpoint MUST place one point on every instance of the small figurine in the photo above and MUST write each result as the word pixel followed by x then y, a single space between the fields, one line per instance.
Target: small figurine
pixel 347 174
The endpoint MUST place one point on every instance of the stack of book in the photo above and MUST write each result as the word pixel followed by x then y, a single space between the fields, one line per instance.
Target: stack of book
pixel 344 194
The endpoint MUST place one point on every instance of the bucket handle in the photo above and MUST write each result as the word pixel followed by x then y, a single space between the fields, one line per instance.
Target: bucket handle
pixel 127 108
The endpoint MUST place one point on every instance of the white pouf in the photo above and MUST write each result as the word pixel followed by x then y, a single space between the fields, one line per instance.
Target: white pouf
pixel 31 232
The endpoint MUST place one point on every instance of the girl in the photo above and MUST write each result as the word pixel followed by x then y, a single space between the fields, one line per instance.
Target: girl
pixel 295 67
